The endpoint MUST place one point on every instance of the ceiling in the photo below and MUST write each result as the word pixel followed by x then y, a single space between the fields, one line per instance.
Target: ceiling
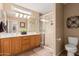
pixel 39 7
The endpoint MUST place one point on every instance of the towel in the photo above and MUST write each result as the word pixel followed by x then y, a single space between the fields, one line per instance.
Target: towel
pixel 2 26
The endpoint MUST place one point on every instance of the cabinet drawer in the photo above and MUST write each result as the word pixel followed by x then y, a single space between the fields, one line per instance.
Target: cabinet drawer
pixel 38 37
pixel 25 37
pixel 25 41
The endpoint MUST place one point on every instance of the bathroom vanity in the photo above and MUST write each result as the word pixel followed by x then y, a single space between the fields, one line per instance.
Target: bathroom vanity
pixel 19 44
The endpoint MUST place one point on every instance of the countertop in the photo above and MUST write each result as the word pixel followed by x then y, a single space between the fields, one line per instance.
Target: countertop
pixel 9 35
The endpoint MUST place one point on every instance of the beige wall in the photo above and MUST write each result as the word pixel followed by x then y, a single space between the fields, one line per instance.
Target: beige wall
pixel 62 32
pixel 1 6
pixel 70 10
pixel 33 22
pixel 59 28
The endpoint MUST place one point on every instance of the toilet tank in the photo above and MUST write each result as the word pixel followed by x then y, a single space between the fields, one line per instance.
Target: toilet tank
pixel 73 40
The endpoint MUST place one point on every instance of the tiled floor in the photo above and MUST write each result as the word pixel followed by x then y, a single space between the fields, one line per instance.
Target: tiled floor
pixel 43 52
pixel 64 53
pixel 38 52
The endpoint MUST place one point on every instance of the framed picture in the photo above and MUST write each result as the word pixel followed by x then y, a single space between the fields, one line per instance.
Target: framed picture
pixel 22 24
pixel 73 22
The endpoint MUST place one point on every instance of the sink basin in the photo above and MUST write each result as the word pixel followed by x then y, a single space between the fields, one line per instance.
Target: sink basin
pixel 5 35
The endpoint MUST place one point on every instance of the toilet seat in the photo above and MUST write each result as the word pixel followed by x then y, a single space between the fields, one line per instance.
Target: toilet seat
pixel 70 47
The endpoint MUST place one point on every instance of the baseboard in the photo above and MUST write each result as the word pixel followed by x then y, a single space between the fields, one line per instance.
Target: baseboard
pixel 60 52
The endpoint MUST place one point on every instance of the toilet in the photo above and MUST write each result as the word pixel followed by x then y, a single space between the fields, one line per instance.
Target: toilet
pixel 71 47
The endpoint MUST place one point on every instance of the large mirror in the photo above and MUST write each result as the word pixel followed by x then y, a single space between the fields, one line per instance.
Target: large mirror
pixel 14 19
pixel 17 19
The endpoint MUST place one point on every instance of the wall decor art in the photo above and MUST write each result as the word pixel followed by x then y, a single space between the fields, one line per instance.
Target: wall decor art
pixel 73 22
pixel 22 24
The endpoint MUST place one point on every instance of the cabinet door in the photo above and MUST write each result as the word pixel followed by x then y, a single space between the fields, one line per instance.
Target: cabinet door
pixel 37 40
pixel 32 41
pixel 15 45
pixel 5 47
pixel 0 48
pixel 25 43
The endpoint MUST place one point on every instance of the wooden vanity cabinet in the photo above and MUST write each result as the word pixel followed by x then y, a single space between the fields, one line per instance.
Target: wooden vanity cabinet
pixel 16 45
pixel 10 46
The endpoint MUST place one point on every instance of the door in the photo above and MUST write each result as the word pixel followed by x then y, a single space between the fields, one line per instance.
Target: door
pixel 48 29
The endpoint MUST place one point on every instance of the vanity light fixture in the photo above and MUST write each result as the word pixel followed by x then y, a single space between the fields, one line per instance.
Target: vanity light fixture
pixel 28 17
pixel 17 14
pixel 25 16
pixel 21 15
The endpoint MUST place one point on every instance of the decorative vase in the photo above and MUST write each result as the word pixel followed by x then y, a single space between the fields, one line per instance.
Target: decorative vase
pixel 23 33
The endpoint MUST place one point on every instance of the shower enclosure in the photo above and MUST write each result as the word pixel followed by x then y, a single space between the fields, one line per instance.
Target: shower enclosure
pixel 47 27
